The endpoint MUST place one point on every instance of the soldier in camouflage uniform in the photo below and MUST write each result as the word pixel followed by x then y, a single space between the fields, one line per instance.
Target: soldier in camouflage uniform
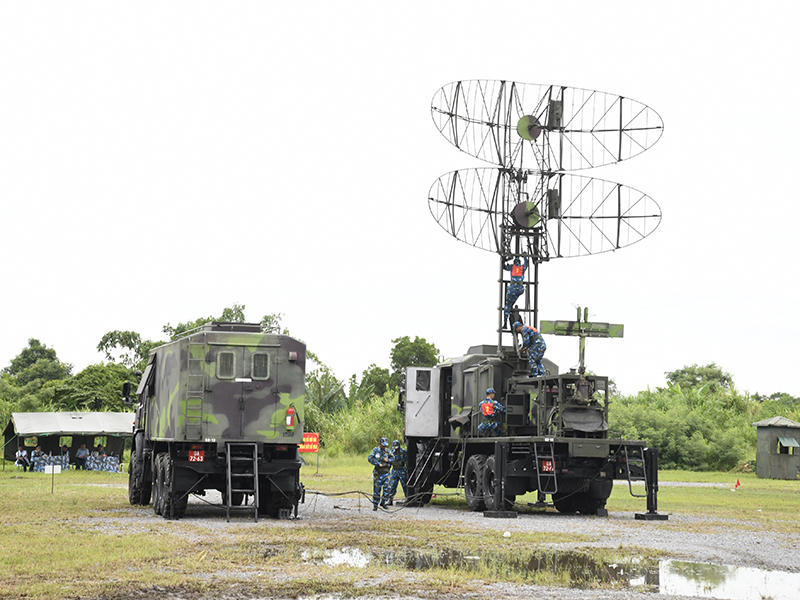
pixel 490 409
pixel 381 458
pixel 533 342
pixel 399 470
pixel 515 288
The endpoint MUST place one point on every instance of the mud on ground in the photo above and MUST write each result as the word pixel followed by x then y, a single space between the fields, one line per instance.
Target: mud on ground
pixel 682 537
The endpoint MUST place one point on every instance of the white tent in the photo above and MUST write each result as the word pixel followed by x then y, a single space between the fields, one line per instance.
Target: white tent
pixel 48 427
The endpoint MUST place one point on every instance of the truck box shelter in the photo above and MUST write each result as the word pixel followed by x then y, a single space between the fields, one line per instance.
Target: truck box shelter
pixel 54 430
pixel 777 448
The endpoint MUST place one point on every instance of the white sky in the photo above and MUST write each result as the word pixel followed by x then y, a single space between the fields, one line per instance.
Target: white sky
pixel 160 161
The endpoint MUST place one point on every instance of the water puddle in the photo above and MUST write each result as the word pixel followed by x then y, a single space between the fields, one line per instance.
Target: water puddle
pixel 721 581
pixel 669 577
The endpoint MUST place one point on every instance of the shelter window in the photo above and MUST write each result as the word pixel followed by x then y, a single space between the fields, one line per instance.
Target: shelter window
pixel 423 381
pixel 226 365
pixel 260 365
pixel 788 445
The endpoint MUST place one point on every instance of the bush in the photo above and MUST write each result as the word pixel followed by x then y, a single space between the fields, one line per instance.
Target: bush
pixel 356 429
pixel 696 429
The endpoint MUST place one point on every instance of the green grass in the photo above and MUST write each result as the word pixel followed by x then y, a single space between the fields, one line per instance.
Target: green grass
pixel 757 500
pixel 69 543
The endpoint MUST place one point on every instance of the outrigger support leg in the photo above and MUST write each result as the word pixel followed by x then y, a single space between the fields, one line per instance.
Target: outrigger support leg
pixel 651 482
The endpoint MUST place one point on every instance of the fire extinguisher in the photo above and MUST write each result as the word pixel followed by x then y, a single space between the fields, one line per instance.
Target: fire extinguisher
pixel 290 418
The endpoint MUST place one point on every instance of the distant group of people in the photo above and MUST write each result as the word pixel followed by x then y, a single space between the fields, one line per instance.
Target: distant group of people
pixel 390 468
pixel 81 456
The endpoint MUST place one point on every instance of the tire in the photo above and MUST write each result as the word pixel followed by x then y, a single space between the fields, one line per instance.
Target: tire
pixel 596 497
pixel 179 499
pixel 589 506
pixel 147 490
pixel 136 472
pixel 567 503
pixel 158 488
pixel 173 505
pixel 134 492
pixel 270 503
pixel 473 482
pixel 489 488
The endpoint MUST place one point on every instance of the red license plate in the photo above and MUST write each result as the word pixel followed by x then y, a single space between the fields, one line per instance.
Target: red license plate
pixel 196 455
pixel 547 465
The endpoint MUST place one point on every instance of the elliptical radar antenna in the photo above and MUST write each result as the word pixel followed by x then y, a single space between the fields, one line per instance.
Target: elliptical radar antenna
pixel 543 212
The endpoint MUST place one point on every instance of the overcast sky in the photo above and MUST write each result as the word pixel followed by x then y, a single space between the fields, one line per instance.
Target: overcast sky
pixel 161 161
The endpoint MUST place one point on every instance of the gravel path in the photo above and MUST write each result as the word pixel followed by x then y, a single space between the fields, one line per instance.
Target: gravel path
pixel 682 537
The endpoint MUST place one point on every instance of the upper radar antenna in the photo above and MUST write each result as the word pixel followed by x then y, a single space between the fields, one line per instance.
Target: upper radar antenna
pixel 528 207
pixel 555 127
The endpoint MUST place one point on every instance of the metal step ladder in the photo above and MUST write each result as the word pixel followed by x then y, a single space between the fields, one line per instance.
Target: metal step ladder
pixel 242 474
pixel 547 480
pixel 637 465
pixel 422 464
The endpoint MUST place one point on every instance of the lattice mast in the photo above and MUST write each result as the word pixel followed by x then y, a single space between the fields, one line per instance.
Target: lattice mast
pixel 544 212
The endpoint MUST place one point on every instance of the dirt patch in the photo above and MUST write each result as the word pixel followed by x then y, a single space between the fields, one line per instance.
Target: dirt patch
pixel 684 537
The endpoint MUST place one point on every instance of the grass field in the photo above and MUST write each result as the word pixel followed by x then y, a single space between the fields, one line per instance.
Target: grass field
pixel 61 537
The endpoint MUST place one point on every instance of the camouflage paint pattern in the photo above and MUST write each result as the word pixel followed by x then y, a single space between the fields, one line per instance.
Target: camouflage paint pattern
pixel 216 386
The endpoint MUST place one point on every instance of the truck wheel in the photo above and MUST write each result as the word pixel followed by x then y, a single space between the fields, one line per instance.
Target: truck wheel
pixel 147 490
pixel 489 488
pixel 134 492
pixel 595 498
pixel 158 500
pixel 566 503
pixel 178 500
pixel 136 484
pixel 270 503
pixel 588 505
pixel 473 482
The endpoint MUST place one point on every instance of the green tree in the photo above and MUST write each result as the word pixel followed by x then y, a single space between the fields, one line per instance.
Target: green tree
pixel 406 353
pixel 37 361
pixel 96 388
pixel 693 377
pixel 233 314
pixel 376 379
pixel 130 350
pixel 129 347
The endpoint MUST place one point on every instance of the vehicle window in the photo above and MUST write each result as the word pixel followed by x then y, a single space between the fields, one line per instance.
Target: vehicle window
pixel 226 365
pixel 423 381
pixel 261 365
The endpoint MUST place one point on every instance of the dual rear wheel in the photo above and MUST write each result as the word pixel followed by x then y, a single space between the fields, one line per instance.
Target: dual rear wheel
pixel 480 485
pixel 168 501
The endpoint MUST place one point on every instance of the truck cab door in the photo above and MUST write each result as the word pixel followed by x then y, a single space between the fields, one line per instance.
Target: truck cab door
pixel 423 408
pixel 228 388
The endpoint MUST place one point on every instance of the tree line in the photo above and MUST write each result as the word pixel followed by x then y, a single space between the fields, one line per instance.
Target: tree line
pixel 698 421
pixel 37 380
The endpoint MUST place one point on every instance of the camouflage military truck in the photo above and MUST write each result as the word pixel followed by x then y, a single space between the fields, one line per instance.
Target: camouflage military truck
pixel 221 408
pixel 554 436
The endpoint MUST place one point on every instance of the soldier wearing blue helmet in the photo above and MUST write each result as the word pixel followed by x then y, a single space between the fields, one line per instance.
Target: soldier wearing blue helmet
pixel 515 287
pixel 490 410
pixel 399 471
pixel 533 342
pixel 381 458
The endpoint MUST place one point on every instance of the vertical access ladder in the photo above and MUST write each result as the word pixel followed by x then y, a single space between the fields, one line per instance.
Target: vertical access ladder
pixel 195 386
pixel 547 481
pixel 242 474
